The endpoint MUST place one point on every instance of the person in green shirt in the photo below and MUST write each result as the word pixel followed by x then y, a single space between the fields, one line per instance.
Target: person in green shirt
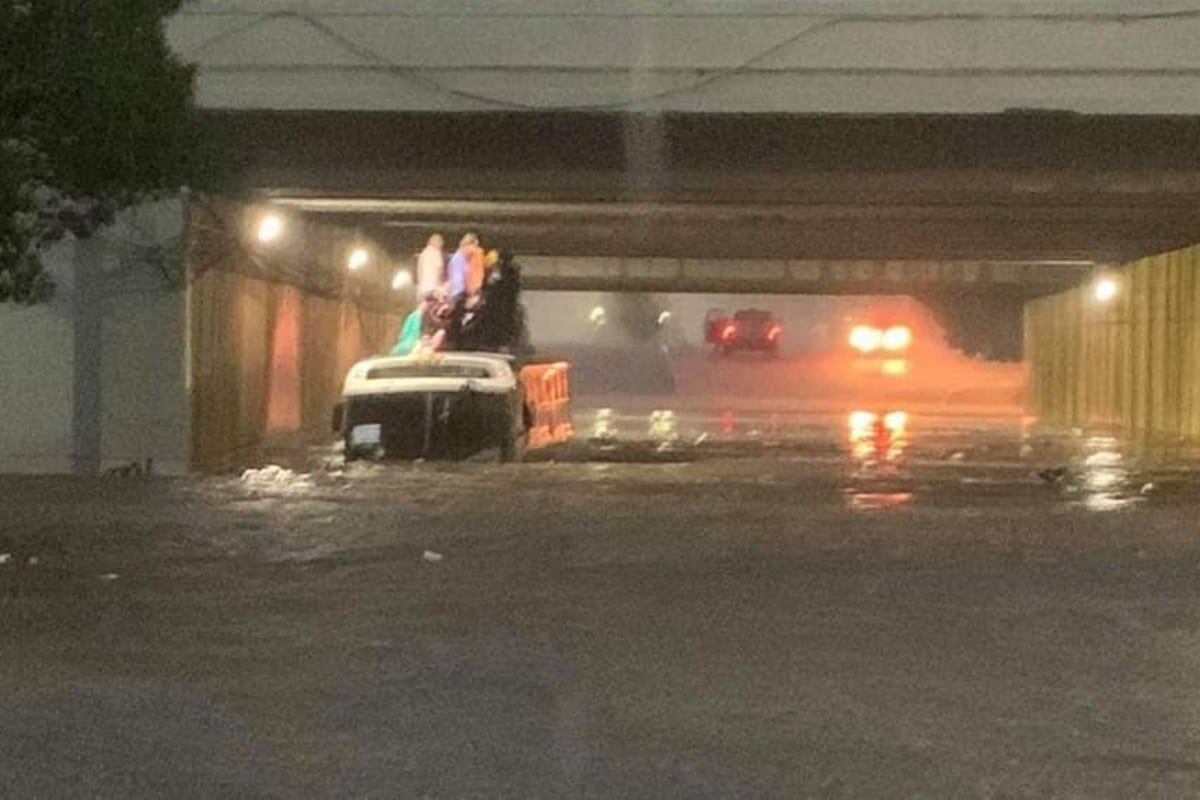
pixel 410 332
pixel 410 335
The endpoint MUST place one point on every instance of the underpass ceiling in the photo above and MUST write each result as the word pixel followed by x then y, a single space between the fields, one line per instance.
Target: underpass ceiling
pixel 1015 187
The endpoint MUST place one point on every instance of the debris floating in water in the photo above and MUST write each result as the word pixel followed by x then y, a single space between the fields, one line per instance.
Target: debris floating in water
pixel 272 473
pixel 1055 475
pixel 108 577
pixel 432 557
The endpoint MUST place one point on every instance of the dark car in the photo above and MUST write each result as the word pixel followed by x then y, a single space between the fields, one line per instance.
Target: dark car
pixel 749 329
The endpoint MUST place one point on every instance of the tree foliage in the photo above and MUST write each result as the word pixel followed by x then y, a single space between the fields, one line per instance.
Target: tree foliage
pixel 95 112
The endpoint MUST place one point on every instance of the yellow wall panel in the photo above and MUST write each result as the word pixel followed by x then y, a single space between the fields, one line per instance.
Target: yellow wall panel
pixel 269 351
pixel 1131 364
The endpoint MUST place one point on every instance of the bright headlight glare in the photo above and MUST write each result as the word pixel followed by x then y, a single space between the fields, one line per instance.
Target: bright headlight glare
pixel 865 339
pixel 897 338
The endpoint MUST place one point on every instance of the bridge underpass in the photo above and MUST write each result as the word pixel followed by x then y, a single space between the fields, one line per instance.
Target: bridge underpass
pixel 1042 139
pixel 1038 187
pixel 699 248
pixel 789 203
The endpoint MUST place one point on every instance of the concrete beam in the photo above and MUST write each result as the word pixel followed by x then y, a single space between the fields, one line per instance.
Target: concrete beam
pixel 763 276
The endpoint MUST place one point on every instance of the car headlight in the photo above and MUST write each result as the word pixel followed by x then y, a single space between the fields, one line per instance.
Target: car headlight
pixel 865 339
pixel 897 338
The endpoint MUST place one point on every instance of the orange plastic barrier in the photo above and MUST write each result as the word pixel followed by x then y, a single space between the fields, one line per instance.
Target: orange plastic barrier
pixel 547 402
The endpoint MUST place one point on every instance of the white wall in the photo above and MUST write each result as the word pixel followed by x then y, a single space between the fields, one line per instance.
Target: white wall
pixel 36 374
pixel 144 408
pixel 145 414
pixel 710 56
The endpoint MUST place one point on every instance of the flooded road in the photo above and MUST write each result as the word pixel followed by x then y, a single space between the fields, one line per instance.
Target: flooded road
pixel 869 601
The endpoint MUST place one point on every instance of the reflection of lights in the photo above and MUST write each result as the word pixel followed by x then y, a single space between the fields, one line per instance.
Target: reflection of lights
pixel 402 280
pixel 894 367
pixel 1105 477
pixel 358 258
pixel 865 339
pixel 663 318
pixel 603 427
pixel 877 501
pixel 1102 481
pixel 877 438
pixel 598 316
pixel 774 332
pixel 1108 502
pixel 269 228
pixel 728 332
pixel 1106 289
pixel 897 338
pixel 663 425
pixel 1103 459
pixel 861 422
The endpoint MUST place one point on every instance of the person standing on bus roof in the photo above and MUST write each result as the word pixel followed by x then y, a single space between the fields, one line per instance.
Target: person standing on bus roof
pixel 431 265
pixel 466 267
pixel 501 294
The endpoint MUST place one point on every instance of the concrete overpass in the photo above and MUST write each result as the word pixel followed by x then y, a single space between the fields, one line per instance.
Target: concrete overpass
pixel 1050 130
pixel 1047 138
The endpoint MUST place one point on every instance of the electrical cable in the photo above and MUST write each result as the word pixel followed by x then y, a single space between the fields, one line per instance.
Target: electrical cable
pixel 316 21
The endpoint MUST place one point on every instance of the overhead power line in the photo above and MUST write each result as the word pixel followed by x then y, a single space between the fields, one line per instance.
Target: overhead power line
pixel 817 23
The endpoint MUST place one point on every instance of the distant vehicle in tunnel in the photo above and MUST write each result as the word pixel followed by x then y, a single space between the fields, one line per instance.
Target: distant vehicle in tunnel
pixel 891 341
pixel 748 329
pixel 881 345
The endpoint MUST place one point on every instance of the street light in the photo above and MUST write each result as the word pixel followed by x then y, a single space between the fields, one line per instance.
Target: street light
pixel 1106 290
pixel 402 280
pixel 358 259
pixel 269 228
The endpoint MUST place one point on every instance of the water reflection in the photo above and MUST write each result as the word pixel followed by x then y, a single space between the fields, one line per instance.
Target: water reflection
pixel 1106 480
pixel 877 438
pixel 604 427
pixel 664 426
pixel 880 501
pixel 727 423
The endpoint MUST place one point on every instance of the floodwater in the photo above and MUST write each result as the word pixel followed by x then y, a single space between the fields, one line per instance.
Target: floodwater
pixel 876 595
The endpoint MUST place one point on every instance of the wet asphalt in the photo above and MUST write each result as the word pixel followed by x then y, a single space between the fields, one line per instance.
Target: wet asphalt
pixel 851 602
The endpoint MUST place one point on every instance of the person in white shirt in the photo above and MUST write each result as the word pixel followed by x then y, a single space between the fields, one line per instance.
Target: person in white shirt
pixel 431 266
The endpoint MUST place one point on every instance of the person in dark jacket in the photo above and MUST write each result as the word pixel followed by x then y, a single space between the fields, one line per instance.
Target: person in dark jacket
pixel 465 330
pixel 501 293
